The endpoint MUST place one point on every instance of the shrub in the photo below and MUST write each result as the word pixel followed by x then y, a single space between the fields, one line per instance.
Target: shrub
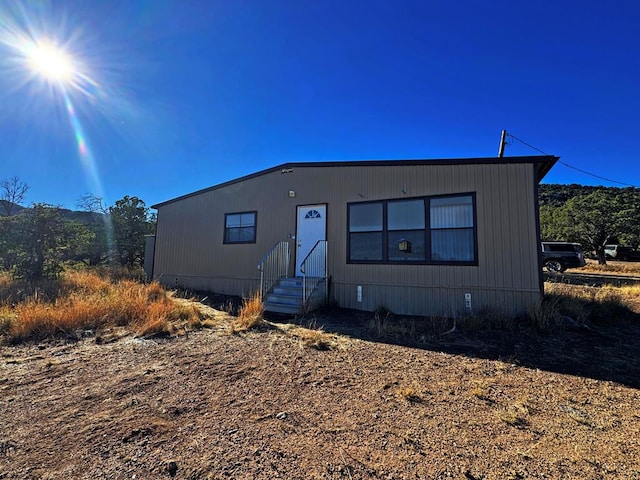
pixel 250 315
pixel 315 338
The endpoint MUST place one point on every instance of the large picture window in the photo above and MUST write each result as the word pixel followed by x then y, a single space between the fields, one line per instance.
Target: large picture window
pixel 240 227
pixel 426 230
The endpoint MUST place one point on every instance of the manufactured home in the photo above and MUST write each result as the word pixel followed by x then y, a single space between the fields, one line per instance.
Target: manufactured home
pixel 419 237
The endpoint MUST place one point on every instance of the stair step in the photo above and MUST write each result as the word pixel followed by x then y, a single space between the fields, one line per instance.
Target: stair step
pixel 297 291
pixel 285 299
pixel 290 282
pixel 282 308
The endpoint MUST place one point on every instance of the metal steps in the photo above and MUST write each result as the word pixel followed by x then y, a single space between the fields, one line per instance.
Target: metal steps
pixel 285 297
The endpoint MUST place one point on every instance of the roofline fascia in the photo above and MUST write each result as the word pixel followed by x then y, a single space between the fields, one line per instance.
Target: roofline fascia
pixel 544 162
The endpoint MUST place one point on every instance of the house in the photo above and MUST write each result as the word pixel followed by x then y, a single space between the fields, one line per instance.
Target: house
pixel 420 237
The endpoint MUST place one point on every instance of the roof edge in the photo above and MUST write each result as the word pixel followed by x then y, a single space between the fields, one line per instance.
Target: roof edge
pixel 544 163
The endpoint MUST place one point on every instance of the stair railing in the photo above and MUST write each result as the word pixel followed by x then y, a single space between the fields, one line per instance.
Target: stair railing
pixel 274 265
pixel 314 270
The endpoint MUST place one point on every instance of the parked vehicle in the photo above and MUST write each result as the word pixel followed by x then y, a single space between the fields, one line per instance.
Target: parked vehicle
pixel 621 252
pixel 558 256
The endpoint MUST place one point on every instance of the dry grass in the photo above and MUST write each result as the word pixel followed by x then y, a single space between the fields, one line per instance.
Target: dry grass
pixel 584 304
pixel 85 300
pixel 315 338
pixel 410 394
pixel 250 315
pixel 613 267
pixel 512 417
pixel 481 391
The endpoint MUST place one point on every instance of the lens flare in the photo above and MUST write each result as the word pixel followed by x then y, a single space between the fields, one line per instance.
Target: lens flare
pixel 50 62
pixel 88 162
pixel 39 59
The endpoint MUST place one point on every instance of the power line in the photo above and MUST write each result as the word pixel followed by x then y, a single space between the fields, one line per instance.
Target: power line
pixel 594 175
pixel 527 144
pixel 571 166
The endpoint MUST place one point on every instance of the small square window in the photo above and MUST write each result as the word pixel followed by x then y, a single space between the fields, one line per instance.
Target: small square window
pixel 240 227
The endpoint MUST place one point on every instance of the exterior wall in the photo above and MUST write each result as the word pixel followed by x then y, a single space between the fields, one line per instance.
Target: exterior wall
pixel 190 252
pixel 149 252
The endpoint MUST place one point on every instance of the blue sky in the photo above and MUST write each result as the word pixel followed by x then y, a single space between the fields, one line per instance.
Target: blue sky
pixel 173 96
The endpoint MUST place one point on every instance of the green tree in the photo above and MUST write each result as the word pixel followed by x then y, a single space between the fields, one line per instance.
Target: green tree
pixel 131 222
pixel 8 242
pixel 38 234
pixel 553 223
pixel 599 218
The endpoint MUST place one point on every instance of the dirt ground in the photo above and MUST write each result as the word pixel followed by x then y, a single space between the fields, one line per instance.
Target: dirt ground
pixel 262 405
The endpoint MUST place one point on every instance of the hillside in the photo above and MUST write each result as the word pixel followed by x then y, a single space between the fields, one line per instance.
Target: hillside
pixel 67 214
pixel 261 405
pixel 556 195
pixel 9 206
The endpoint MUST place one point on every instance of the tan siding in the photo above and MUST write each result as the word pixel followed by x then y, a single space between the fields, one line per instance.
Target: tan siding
pixel 190 252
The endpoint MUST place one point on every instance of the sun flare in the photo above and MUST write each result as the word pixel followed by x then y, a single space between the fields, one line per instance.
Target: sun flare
pixel 51 63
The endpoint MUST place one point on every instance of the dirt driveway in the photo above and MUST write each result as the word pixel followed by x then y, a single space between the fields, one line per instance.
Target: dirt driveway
pixel 262 405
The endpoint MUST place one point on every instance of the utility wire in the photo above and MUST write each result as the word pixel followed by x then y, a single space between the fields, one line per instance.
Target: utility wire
pixel 571 166
pixel 527 144
pixel 594 175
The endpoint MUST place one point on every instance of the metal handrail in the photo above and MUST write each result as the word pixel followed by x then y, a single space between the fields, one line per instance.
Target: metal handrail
pixel 314 269
pixel 273 266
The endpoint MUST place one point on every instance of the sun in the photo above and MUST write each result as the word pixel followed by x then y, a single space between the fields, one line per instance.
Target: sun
pixel 51 62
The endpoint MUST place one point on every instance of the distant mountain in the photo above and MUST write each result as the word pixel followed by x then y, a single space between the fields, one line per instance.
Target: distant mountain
pixel 73 215
pixel 556 195
pixel 80 216
pixel 6 206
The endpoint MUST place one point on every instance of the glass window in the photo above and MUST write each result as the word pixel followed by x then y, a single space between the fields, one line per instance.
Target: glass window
pixel 365 246
pixel 240 227
pixel 406 246
pixel 452 212
pixel 452 229
pixel 365 232
pixel 365 217
pixel 406 232
pixel 397 231
pixel 406 215
pixel 452 245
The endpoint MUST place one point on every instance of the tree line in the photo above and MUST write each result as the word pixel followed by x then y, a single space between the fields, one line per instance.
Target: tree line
pixel 592 216
pixel 37 241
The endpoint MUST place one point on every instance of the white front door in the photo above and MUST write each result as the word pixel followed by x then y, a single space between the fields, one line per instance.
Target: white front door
pixel 312 226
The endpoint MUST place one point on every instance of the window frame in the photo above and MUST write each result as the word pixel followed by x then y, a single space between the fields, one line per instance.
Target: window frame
pixel 225 240
pixel 427 232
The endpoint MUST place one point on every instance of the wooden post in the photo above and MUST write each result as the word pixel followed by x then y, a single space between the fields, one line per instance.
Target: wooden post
pixel 503 139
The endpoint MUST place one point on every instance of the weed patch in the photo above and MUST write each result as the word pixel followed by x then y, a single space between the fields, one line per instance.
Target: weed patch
pixel 513 418
pixel 314 338
pixel 410 394
pixel 250 315
pixel 84 300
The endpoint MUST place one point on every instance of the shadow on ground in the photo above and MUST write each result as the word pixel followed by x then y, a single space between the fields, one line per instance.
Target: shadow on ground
pixel 603 352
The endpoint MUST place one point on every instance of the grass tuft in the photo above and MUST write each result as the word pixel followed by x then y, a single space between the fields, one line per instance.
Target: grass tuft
pixel 481 392
pixel 250 315
pixel 409 394
pixel 317 338
pixel 512 418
